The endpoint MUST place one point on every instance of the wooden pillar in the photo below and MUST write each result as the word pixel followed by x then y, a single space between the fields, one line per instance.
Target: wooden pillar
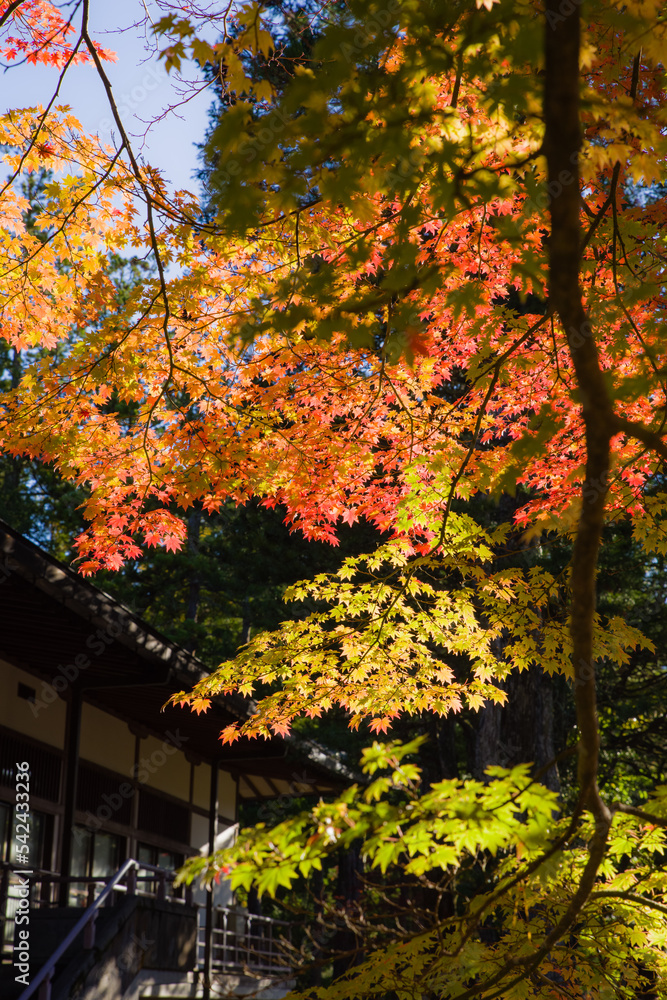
pixel 71 776
pixel 212 831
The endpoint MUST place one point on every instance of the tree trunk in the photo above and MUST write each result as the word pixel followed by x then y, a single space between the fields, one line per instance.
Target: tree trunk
pixel 346 943
pixel 521 731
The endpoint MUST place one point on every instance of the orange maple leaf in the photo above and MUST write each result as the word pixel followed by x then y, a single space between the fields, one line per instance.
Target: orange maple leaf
pixel 229 734
pixel 199 704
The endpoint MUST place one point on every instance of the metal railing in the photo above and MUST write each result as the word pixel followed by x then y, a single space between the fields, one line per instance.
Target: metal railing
pixel 126 881
pixel 85 926
pixel 47 882
pixel 45 891
pixel 243 942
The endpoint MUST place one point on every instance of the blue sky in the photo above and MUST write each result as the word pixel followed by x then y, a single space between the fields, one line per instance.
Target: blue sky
pixel 144 93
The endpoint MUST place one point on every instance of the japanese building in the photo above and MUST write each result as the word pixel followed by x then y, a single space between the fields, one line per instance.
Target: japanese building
pixel 113 773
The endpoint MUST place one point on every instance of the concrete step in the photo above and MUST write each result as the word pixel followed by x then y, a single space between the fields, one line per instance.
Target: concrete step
pixel 168 986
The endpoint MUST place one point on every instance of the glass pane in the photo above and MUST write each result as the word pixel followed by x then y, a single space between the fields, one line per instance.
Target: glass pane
pixel 11 908
pixel 81 850
pixel 12 901
pixel 171 861
pixel 106 851
pixel 5 812
pixel 146 854
pixel 159 859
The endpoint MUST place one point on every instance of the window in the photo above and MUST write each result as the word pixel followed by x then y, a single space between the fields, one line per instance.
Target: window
pixel 40 843
pixel 9 907
pixel 5 813
pixel 94 855
pixel 40 840
pixel 27 693
pixel 159 859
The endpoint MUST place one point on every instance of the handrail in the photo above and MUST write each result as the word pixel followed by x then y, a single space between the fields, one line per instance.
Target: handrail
pixel 47 970
pixel 10 866
pixel 42 874
pixel 43 977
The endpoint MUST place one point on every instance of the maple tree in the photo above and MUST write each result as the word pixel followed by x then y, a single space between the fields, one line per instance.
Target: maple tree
pixel 430 270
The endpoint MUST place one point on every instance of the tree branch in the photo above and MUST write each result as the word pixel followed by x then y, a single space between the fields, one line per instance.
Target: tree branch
pixel 10 10
pixel 641 814
pixel 632 897
pixel 641 433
